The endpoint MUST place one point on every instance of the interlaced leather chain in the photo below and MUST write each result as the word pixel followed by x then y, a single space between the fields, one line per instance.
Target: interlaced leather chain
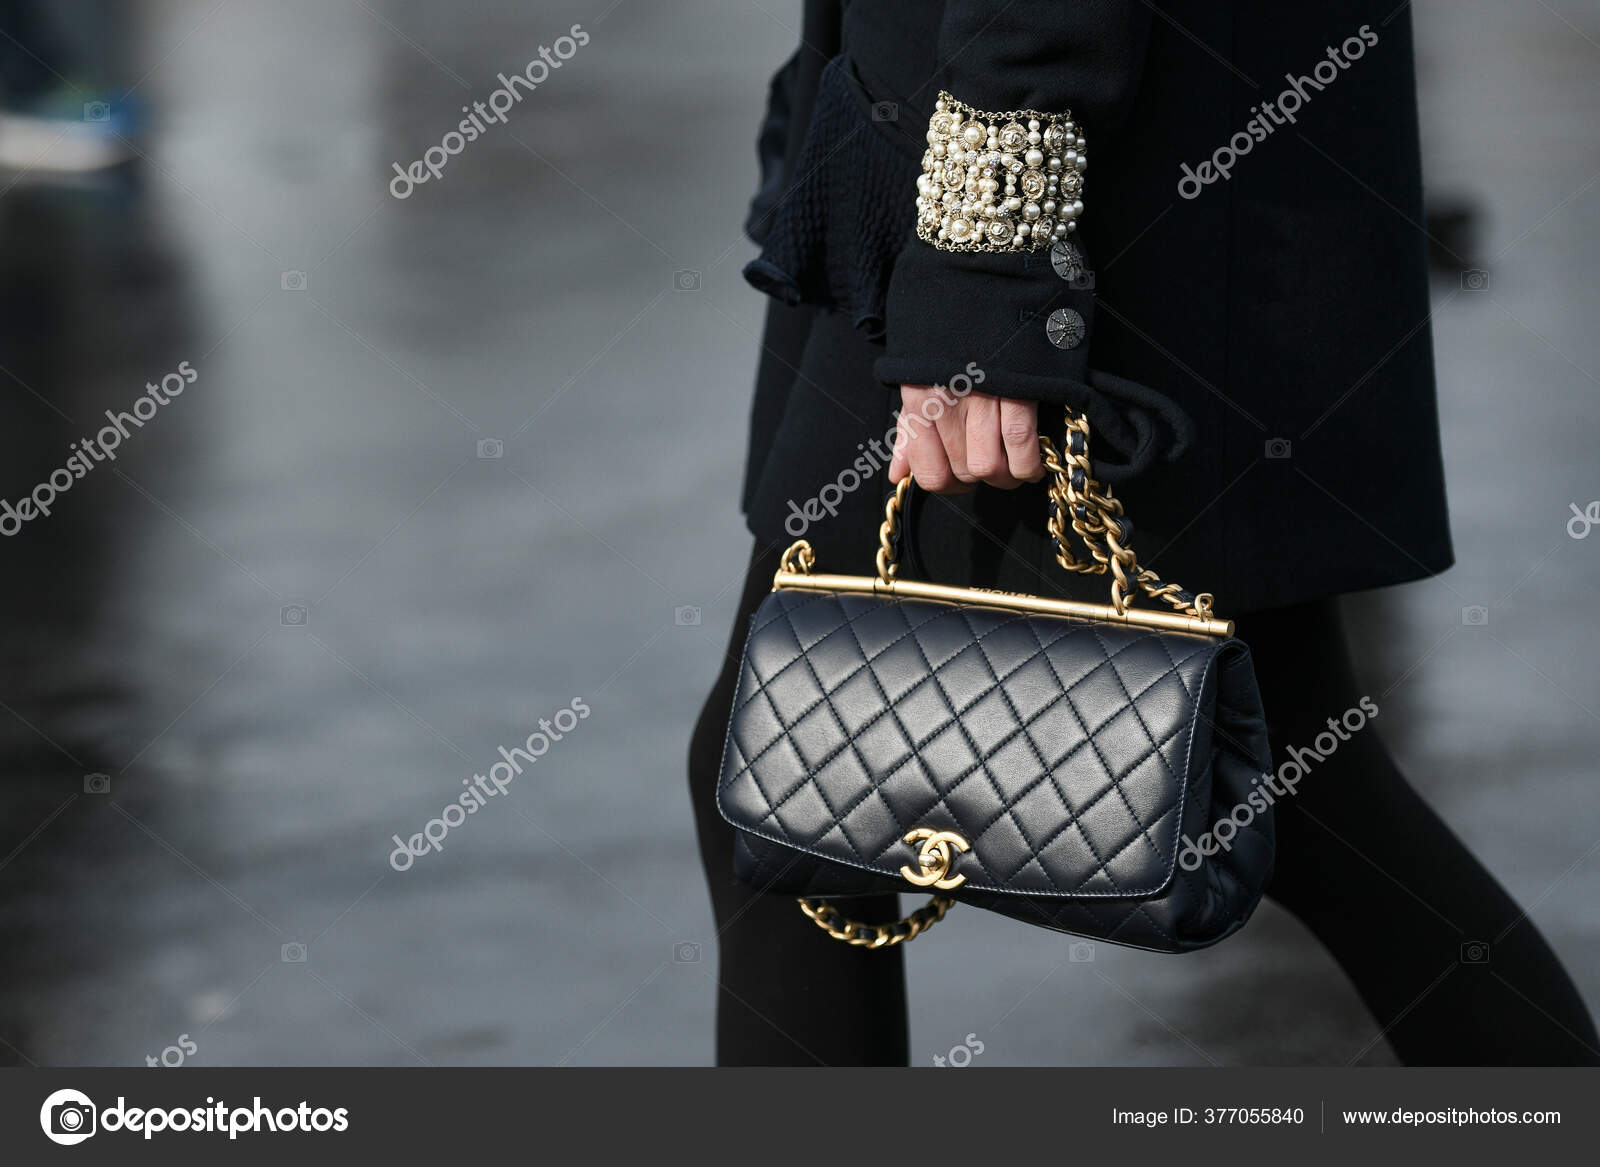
pixel 834 923
pixel 1097 518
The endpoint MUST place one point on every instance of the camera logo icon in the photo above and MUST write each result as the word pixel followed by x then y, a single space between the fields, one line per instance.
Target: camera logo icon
pixel 1082 952
pixel 1475 616
pixel 1475 952
pixel 97 783
pixel 293 615
pixel 293 952
pixel 885 111
pixel 686 617
pixel 67 1117
pixel 96 111
pixel 686 952
pixel 685 281
pixel 491 448
pixel 1474 279
pixel 1279 448
pixel 293 281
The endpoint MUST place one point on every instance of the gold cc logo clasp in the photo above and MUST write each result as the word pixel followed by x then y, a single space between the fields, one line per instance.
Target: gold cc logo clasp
pixel 935 858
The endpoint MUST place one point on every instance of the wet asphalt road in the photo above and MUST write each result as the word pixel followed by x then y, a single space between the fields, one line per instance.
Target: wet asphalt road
pixel 451 462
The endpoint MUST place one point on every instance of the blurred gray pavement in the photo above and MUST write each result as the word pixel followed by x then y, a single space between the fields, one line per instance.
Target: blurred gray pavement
pixel 328 459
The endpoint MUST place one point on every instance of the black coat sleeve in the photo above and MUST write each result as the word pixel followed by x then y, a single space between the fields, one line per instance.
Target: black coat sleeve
pixel 946 308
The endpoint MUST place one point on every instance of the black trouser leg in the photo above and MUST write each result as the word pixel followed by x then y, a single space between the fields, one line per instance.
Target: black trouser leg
pixel 787 994
pixel 1398 900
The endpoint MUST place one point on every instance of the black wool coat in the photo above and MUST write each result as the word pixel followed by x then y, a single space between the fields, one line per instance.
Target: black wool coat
pixel 1255 253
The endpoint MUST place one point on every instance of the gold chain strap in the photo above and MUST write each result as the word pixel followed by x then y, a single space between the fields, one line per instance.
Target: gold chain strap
pixel 889 531
pixel 828 918
pixel 798 557
pixel 1096 517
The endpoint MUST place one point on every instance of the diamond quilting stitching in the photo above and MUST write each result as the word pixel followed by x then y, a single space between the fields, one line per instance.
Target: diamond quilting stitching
pixel 788 724
pixel 955 718
pixel 941 728
pixel 822 695
pixel 1073 813
pixel 1076 815
pixel 1104 867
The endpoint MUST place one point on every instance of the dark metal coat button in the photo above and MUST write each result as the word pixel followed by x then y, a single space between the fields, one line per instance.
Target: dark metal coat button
pixel 1067 260
pixel 1064 328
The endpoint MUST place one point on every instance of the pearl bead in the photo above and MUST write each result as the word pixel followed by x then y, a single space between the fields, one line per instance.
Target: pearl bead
pixel 1077 207
pixel 938 149
pixel 972 135
pixel 1033 158
pixel 1082 142
pixel 1030 211
pixel 1033 123
pixel 1049 206
pixel 1035 138
pixel 1013 204
pixel 1054 163
pixel 1063 228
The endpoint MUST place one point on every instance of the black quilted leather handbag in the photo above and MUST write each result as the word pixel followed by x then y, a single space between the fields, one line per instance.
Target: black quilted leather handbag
pixel 1094 769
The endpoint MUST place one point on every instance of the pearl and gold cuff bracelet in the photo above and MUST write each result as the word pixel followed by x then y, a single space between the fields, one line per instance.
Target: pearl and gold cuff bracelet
pixel 999 181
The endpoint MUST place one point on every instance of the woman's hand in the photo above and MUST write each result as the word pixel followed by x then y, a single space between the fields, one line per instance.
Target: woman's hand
pixel 951 445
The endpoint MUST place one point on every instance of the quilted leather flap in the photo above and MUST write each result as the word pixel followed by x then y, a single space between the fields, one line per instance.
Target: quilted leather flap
pixel 1059 749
